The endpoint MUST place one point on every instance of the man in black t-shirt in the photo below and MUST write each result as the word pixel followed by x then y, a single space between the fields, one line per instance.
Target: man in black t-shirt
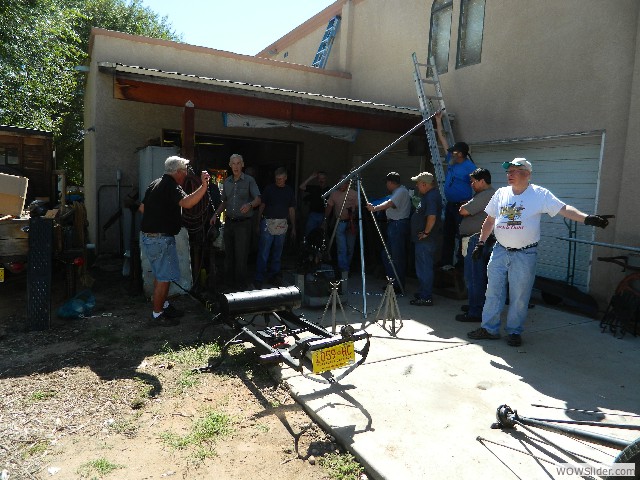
pixel 161 210
pixel 278 205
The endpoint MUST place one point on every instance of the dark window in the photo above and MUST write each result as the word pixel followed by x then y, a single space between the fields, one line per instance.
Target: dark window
pixel 470 32
pixel 9 155
pixel 440 33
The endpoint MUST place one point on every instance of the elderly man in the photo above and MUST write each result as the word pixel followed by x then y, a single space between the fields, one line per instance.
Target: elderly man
pixel 161 210
pixel 475 270
pixel 513 215
pixel 398 210
pixel 344 203
pixel 278 204
pixel 425 225
pixel 457 190
pixel 240 195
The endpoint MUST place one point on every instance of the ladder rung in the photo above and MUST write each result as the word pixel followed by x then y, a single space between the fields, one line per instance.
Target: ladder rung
pixel 433 97
pixel 432 82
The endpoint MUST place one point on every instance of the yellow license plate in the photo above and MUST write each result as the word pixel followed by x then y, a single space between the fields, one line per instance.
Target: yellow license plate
pixel 333 357
pixel 1 274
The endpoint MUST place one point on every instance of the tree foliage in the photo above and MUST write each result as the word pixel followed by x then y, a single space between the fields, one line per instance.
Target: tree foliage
pixel 41 44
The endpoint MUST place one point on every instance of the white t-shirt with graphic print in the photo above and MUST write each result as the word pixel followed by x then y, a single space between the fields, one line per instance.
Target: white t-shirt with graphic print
pixel 518 216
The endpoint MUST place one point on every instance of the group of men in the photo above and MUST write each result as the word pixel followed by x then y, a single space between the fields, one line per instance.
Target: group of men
pixel 498 231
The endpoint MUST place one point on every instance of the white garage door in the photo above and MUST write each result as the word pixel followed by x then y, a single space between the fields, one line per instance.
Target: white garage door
pixel 569 167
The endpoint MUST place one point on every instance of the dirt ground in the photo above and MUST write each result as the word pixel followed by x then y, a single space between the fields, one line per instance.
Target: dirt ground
pixel 108 396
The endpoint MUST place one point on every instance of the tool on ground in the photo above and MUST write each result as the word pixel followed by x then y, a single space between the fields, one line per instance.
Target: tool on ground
pixel 285 337
pixel 508 418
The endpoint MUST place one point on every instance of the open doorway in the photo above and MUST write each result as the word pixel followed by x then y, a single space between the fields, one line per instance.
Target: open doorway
pixel 212 152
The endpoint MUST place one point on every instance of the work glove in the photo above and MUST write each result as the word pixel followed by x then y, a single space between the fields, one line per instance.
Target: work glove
pixel 596 221
pixel 477 251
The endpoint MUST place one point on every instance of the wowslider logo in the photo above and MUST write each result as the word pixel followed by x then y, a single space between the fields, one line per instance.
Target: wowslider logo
pixel 596 469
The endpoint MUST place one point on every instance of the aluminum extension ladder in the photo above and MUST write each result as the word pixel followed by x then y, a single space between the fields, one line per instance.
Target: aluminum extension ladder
pixel 320 60
pixel 429 104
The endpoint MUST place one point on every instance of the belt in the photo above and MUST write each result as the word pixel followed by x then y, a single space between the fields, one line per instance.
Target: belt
pixel 238 219
pixel 531 245
pixel 153 235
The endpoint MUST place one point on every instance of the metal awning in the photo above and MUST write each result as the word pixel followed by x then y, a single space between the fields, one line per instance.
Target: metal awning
pixel 176 89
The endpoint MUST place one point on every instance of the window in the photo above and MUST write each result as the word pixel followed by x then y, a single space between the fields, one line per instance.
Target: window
pixel 9 156
pixel 470 32
pixel 440 33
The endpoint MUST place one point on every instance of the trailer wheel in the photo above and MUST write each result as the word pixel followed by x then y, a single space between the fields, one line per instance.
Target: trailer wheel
pixel 630 454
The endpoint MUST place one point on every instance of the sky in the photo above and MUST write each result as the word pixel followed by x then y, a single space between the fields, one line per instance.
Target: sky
pixel 239 26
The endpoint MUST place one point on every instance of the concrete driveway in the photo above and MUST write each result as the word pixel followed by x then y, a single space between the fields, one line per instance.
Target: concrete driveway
pixel 422 404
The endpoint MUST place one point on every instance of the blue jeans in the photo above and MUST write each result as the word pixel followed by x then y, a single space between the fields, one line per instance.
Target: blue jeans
pixel 397 236
pixel 345 244
pixel 163 257
pixel 475 275
pixel 314 220
pixel 519 269
pixel 269 253
pixel 425 251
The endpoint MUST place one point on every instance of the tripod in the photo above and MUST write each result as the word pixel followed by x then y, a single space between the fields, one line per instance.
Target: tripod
pixel 334 300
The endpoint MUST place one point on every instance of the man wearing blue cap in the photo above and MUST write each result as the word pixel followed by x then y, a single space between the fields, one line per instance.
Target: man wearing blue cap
pixel 513 215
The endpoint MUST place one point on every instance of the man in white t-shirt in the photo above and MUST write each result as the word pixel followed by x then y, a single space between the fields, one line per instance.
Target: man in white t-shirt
pixel 513 215
pixel 398 210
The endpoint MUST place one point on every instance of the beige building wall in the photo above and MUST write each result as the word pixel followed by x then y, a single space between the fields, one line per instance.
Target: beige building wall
pixel 548 69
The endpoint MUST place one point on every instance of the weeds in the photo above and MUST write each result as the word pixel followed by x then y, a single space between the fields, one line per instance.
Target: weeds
pixel 128 428
pixel 190 356
pixel 341 466
pixel 101 466
pixel 204 433
pixel 37 448
pixel 41 395
pixel 143 394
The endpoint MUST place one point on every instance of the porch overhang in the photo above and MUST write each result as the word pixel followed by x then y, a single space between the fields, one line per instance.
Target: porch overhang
pixel 176 89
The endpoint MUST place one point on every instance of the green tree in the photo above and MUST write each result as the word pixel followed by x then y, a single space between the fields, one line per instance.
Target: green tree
pixel 41 44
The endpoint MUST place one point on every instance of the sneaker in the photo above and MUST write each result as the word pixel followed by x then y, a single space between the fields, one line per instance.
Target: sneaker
pixel 464 308
pixel 172 312
pixel 482 334
pixel 422 302
pixel 163 321
pixel 514 340
pixel 465 317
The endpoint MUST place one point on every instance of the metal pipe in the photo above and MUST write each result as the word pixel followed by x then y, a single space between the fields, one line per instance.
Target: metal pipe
pixel 508 418
pixel 600 244
pixel 381 152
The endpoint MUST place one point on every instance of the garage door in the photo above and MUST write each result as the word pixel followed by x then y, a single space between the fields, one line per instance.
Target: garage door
pixel 569 167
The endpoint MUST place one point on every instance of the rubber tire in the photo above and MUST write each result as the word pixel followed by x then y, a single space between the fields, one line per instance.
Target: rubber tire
pixel 631 454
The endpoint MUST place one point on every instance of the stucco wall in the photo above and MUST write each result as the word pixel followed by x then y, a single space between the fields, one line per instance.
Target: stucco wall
pixel 548 68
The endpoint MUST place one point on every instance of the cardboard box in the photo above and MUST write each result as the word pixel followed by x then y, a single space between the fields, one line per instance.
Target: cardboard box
pixel 13 192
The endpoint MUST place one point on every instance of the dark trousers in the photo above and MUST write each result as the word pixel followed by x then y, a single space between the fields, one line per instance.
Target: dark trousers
pixel 397 237
pixel 452 219
pixel 237 240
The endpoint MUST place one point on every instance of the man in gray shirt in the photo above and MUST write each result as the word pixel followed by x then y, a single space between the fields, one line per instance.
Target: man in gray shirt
pixel 240 195
pixel 398 210
pixel 475 271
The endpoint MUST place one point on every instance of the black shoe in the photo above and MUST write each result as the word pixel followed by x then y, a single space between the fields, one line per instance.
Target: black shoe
pixel 163 321
pixel 464 308
pixel 465 317
pixel 514 340
pixel 483 334
pixel 172 312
